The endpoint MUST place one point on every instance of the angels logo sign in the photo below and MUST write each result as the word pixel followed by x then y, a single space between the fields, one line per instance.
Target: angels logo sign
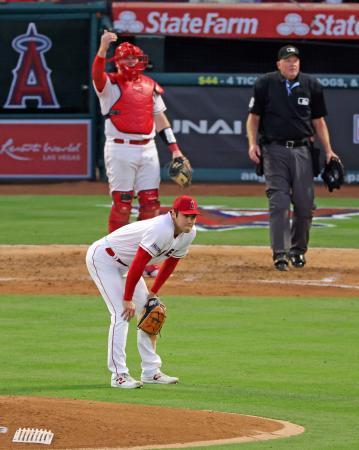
pixel 31 77
pixel 212 218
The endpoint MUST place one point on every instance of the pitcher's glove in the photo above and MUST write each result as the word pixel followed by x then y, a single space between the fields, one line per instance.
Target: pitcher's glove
pixel 153 316
pixel 180 171
pixel 333 174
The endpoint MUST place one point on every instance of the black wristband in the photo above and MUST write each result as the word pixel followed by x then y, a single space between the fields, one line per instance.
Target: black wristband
pixel 167 136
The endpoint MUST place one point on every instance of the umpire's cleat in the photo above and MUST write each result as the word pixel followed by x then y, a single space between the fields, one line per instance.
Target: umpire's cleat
pixel 160 378
pixel 297 260
pixel 125 381
pixel 281 261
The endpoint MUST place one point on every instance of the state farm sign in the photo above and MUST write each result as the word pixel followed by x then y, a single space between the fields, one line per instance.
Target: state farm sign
pixel 228 21
pixel 45 149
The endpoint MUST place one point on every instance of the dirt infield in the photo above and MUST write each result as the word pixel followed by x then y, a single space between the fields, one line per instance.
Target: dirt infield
pixel 168 188
pixel 208 270
pixel 95 425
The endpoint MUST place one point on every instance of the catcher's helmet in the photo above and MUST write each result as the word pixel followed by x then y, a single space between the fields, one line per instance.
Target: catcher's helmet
pixel 130 60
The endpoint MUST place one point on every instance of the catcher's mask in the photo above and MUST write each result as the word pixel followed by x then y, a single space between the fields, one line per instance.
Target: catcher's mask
pixel 130 60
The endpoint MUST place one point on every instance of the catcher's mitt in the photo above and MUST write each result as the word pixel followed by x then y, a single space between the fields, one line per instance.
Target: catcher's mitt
pixel 180 171
pixel 333 174
pixel 153 316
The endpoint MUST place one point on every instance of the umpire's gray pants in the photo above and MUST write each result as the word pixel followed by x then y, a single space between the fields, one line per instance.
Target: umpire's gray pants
pixel 289 179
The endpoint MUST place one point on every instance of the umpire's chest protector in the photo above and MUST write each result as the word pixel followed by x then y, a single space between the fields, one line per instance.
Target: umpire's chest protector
pixel 135 105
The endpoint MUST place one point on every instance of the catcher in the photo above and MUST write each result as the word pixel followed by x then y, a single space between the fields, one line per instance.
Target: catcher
pixel 134 111
pixel 116 263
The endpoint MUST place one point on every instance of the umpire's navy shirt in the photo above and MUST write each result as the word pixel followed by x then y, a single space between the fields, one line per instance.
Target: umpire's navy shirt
pixel 284 115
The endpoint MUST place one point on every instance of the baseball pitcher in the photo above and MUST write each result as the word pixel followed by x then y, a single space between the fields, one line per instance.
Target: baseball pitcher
pixel 129 249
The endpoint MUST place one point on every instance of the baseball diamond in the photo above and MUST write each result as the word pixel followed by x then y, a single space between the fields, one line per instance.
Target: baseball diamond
pixel 79 423
pixel 179 225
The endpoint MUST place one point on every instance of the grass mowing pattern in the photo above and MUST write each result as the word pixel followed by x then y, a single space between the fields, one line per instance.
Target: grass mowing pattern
pixel 287 358
pixel 83 219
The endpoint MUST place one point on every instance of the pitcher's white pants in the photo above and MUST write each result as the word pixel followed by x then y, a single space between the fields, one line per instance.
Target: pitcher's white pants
pixel 108 274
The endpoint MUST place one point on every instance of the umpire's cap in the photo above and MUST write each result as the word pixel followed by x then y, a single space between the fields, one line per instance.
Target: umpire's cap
pixel 287 51
pixel 186 205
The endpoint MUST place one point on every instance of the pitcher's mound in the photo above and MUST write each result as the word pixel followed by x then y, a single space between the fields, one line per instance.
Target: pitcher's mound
pixel 98 425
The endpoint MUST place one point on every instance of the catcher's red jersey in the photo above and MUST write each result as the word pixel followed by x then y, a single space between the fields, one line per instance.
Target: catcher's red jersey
pixel 135 106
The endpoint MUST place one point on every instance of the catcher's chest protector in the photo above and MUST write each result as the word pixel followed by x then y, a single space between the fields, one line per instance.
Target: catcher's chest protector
pixel 135 106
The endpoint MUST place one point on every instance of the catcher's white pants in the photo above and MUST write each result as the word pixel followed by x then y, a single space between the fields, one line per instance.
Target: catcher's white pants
pixel 108 274
pixel 132 167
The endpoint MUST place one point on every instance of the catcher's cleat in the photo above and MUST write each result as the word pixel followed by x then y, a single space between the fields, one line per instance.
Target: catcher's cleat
pixel 281 262
pixel 125 381
pixel 160 378
pixel 151 271
pixel 297 260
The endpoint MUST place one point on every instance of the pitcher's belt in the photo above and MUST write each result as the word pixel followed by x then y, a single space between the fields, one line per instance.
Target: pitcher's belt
pixel 132 142
pixel 110 252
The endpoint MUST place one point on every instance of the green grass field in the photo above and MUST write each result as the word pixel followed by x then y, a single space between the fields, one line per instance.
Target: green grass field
pixel 83 219
pixel 295 359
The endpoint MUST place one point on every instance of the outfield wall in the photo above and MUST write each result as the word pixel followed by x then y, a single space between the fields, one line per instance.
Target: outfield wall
pixel 210 126
pixel 50 126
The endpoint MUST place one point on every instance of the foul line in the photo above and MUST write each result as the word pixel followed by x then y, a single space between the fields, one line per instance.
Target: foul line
pixel 306 283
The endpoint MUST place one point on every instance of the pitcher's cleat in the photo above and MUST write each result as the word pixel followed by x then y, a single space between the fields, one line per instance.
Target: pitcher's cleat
pixel 125 381
pixel 160 378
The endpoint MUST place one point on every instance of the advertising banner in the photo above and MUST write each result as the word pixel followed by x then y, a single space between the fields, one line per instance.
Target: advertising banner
pixel 44 66
pixel 279 21
pixel 209 123
pixel 45 149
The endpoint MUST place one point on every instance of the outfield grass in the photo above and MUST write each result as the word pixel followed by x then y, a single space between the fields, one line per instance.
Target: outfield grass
pixel 83 219
pixel 285 358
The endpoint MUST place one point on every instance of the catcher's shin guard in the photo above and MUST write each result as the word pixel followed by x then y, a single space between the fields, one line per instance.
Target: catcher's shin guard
pixel 149 204
pixel 120 210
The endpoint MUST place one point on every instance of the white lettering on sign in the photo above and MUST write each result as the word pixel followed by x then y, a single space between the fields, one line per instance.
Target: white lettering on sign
pixel 327 25
pixel 356 128
pixel 322 25
pixel 212 23
pixel 24 151
pixel 219 126
pixel 9 149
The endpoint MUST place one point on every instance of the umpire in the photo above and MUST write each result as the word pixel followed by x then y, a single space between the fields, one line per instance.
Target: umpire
pixel 285 113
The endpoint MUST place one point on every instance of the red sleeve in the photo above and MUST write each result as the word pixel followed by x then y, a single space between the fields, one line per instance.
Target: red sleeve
pixel 159 89
pixel 173 148
pixel 167 267
pixel 98 73
pixel 136 270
